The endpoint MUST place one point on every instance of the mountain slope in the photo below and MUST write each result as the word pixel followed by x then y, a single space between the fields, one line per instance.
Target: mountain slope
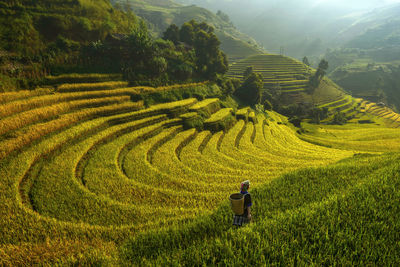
pixel 36 34
pixel 288 76
pixel 368 65
pixel 161 14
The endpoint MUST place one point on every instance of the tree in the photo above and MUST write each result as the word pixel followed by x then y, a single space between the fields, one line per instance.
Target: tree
pixel 228 85
pixel 318 114
pixel 250 91
pixel 201 41
pixel 322 68
pixel 172 34
pixel 306 62
pixel 317 77
pixel 139 59
pixel 186 33
pixel 247 72
pixel 267 105
pixel 339 118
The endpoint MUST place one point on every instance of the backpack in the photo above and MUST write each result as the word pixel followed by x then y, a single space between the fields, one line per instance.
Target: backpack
pixel 237 203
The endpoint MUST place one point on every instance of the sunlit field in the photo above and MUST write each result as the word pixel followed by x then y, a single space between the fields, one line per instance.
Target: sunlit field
pixel 84 175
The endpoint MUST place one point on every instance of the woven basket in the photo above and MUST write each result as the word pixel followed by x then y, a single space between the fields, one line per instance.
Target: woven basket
pixel 237 203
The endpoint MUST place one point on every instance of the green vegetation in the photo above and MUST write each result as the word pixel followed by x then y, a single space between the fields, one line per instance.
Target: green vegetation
pixel 206 107
pixel 45 36
pixel 159 15
pixel 319 74
pixel 82 78
pixel 250 91
pixel 102 39
pixel 209 61
pixel 220 120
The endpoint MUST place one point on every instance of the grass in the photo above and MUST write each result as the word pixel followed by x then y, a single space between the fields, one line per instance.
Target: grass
pixel 29 134
pixel 317 216
pixel 47 100
pixel 372 138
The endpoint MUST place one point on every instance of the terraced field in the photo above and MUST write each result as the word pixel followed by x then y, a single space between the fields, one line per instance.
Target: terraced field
pixel 290 77
pixel 387 114
pixel 287 73
pixel 83 172
pixel 358 110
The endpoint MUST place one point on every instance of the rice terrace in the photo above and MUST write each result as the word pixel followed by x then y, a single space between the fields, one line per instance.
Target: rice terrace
pixel 118 148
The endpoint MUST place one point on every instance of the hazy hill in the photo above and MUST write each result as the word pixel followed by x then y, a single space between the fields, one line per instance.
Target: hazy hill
pixel 306 27
pixel 360 39
pixel 160 14
pixel 368 63
pixel 376 29
pixel 301 27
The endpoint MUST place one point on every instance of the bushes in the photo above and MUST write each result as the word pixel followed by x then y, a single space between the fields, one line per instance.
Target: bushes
pixel 339 118
pixel 206 107
pixel 250 91
pixel 192 120
pixel 176 92
pixel 243 114
pixel 220 121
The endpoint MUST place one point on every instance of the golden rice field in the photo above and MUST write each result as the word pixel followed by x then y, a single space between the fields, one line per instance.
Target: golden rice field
pixel 83 172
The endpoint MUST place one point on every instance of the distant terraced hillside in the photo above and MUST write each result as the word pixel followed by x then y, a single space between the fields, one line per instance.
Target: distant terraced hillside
pixel 389 117
pixel 290 76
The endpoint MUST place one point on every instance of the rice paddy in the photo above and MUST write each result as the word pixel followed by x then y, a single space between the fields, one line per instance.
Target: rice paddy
pixel 286 73
pixel 94 178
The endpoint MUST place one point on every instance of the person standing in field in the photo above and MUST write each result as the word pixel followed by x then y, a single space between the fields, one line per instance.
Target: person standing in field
pixel 239 220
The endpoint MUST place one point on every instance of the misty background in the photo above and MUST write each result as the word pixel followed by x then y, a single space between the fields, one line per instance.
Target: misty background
pixel 305 27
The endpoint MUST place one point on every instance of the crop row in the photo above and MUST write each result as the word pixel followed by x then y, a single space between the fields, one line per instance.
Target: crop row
pixel 74 87
pixel 80 78
pixel 35 115
pixel 106 177
pixel 33 132
pixel 12 96
pixel 162 162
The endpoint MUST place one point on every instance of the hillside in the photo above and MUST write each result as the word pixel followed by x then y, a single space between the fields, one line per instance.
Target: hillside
pixel 86 169
pixel 302 28
pixel 36 35
pixel 288 79
pixel 375 29
pixel 288 76
pixel 161 14
pixel 367 65
pixel 28 27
